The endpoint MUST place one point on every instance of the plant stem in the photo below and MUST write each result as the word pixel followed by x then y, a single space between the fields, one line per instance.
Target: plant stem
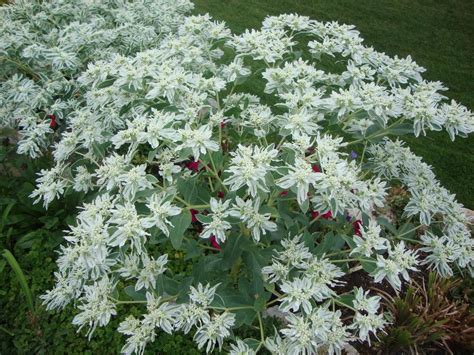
pixel 408 232
pixel 344 305
pixel 262 334
pixel 337 252
pixel 377 134
pixel 130 302
pixel 363 153
pixel 310 223
pixel 22 67
pixel 347 260
pixel 275 300
pixel 229 309
pixel 280 143
pixel 176 197
pixel 7 331
pixel 198 207
pixel 216 175
pixel 407 239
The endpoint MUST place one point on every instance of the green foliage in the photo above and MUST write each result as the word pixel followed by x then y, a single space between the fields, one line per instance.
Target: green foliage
pixel 33 234
pixel 20 277
pixel 427 318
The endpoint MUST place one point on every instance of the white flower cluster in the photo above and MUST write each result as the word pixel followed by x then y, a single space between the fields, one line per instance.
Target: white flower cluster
pixel 211 330
pixel 307 285
pixel 159 135
pixel 45 45
pixel 434 205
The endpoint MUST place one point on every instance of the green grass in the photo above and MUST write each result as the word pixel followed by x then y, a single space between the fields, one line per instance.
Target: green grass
pixel 438 34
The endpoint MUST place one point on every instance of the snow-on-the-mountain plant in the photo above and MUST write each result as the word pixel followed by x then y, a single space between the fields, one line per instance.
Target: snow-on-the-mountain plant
pixel 271 194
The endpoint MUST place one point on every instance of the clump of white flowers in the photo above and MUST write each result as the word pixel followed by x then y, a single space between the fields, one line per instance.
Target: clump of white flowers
pixel 267 202
pixel 46 45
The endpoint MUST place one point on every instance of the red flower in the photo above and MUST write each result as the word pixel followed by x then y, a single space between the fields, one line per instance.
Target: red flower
pixel 284 193
pixel 327 215
pixel 220 194
pixel 357 227
pixel 214 243
pixel 193 215
pixel 193 165
pixel 222 124
pixel 52 124
pixel 316 169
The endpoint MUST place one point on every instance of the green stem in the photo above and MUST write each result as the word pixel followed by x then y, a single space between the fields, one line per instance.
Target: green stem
pixel 310 223
pixel 27 70
pixel 275 301
pixel 198 207
pixel 344 305
pixel 348 260
pixel 229 309
pixel 210 183
pixel 7 331
pixel 280 143
pixel 337 252
pixel 271 198
pixel 408 232
pixel 262 333
pixel 177 198
pixel 129 302
pixel 407 239
pixel 377 134
pixel 347 119
pixel 216 175
pixel 363 153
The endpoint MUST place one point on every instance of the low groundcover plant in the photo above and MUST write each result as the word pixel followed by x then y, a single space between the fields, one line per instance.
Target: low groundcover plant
pixel 273 198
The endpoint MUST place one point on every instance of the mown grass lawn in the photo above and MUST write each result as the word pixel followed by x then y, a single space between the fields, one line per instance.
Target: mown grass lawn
pixel 438 34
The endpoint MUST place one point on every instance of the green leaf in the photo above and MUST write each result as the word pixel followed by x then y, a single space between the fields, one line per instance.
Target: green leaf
pixel 285 213
pixel 203 218
pixel 218 159
pixel 350 241
pixel 240 80
pixel 347 299
pixel 191 249
pixel 167 285
pixel 135 295
pixel 20 277
pixel 407 230
pixel 252 343
pixel 305 206
pixel 5 213
pixel 106 83
pixel 151 178
pixel 193 191
pixel 229 298
pixel 49 222
pixel 232 250
pixel 180 223
pixel 369 267
pixel 401 129
pixel 385 223
pixel 260 304
pixel 254 261
pixel 125 108
pixel 330 242
pixel 26 241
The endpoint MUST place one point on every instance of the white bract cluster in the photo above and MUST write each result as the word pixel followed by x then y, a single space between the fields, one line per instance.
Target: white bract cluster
pixel 45 45
pixel 267 202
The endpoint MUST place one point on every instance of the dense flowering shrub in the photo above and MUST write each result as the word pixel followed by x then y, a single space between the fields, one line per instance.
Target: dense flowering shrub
pixel 45 45
pixel 273 195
